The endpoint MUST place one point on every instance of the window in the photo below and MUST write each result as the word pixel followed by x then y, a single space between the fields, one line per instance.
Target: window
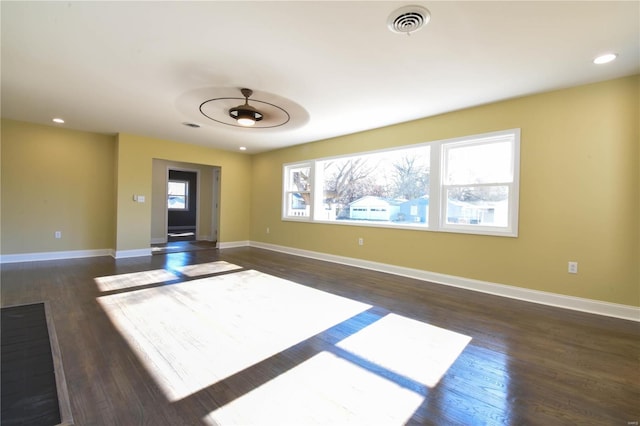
pixel 178 195
pixel 465 185
pixel 297 194
pixel 479 183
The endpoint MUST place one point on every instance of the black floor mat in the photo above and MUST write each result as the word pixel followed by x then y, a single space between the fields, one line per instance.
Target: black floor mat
pixel 28 384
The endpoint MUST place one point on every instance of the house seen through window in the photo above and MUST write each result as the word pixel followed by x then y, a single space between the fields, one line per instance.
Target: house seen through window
pixel 467 184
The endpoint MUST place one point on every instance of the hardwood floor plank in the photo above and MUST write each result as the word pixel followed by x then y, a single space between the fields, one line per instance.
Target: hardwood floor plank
pixel 524 364
pixel 29 394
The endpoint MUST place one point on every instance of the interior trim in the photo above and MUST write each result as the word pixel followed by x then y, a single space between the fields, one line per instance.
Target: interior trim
pixel 54 255
pixel 615 310
pixel 232 244
pixel 64 403
pixel 626 312
pixel 123 254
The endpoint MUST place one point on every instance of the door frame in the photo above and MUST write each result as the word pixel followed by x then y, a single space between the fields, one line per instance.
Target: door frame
pixel 166 192
pixel 215 201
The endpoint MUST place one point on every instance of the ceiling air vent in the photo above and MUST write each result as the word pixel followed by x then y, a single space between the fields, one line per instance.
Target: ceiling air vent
pixel 408 19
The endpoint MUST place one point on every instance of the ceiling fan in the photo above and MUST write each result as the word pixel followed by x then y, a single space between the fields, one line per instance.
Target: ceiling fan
pixel 245 115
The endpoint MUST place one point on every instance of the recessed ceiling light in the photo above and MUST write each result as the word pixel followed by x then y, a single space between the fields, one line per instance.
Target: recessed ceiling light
pixel 243 148
pixel 58 120
pixel 604 59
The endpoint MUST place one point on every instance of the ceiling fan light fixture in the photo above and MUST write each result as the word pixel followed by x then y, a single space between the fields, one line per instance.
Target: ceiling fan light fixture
pixel 247 122
pixel 245 115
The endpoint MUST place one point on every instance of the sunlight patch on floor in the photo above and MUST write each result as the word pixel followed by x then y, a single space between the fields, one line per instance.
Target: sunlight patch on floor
pixel 193 334
pixel 207 268
pixel 134 279
pixel 410 348
pixel 325 389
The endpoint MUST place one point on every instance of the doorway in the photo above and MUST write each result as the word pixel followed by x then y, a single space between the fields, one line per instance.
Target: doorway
pixel 182 205
pixel 196 193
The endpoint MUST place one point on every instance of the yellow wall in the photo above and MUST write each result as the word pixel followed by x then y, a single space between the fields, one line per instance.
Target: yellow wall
pixel 579 196
pixel 82 184
pixel 579 193
pixel 134 176
pixel 55 179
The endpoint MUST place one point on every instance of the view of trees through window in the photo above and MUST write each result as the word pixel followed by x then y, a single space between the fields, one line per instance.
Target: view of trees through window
pixel 298 193
pixel 473 172
pixel 463 184
pixel 375 180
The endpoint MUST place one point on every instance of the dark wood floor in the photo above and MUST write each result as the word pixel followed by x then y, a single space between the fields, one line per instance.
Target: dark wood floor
pixel 177 246
pixel 524 364
pixel 29 394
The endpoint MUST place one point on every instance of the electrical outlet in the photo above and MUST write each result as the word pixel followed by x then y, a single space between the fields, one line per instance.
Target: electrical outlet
pixel 360 241
pixel 58 234
pixel 573 267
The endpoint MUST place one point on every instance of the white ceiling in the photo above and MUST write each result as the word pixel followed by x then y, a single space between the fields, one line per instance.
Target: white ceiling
pixel 144 67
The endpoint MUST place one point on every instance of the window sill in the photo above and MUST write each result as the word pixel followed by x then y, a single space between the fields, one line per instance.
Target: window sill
pixel 394 225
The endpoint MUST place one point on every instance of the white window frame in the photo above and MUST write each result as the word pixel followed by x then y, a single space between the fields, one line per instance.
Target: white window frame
pixel 437 221
pixel 288 191
pixel 186 195
pixel 511 229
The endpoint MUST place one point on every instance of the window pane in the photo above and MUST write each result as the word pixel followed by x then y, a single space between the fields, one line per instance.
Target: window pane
pixel 177 202
pixel 178 191
pixel 484 163
pixel 299 179
pixel 298 204
pixel 391 186
pixel 177 188
pixel 485 205
pixel 473 188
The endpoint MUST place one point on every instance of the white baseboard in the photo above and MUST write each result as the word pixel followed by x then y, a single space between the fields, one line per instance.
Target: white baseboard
pixel 54 255
pixel 123 254
pixel 545 298
pixel 74 254
pixel 164 240
pixel 233 244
